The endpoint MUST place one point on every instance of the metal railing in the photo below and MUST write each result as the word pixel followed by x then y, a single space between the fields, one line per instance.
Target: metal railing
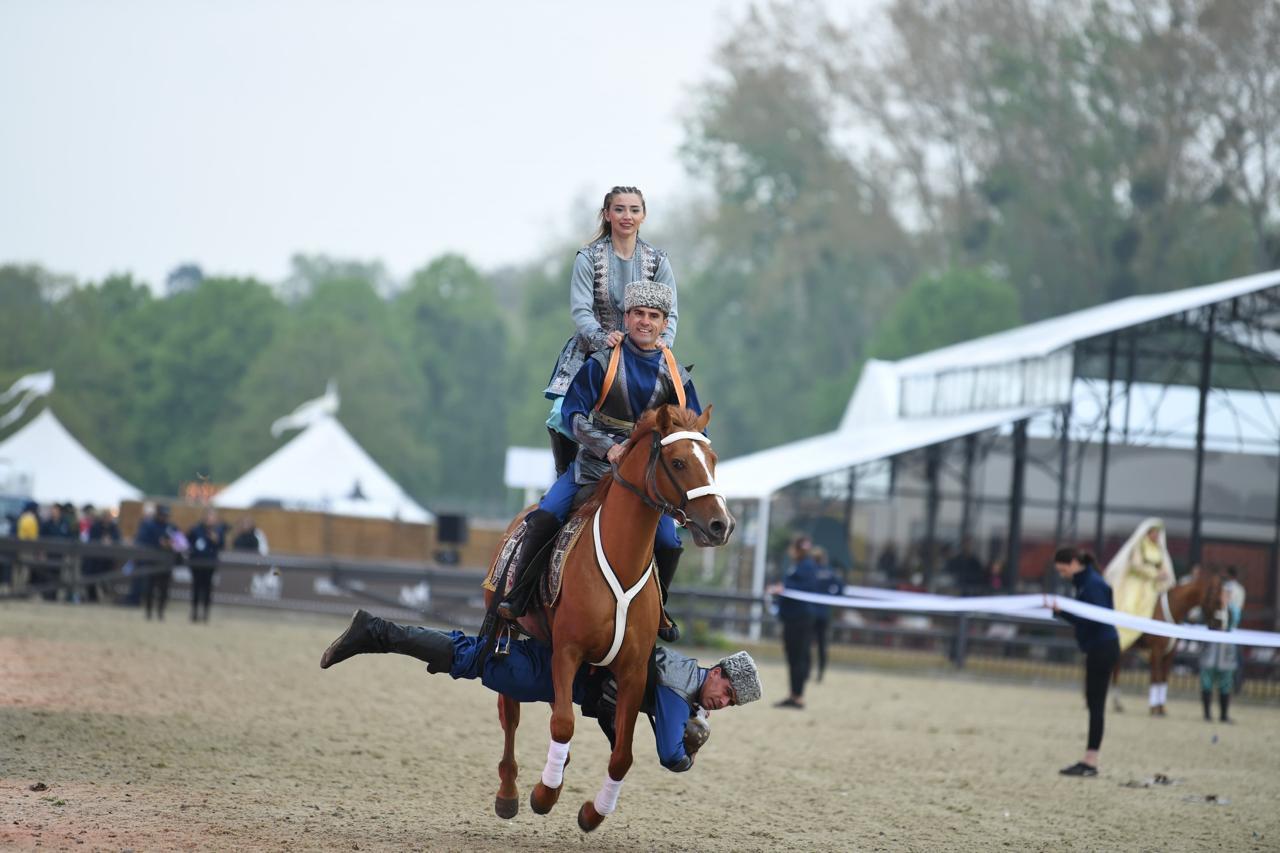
pixel 1004 644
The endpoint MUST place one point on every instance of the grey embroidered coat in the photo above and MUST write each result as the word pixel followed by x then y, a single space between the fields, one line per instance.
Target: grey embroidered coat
pixel 595 301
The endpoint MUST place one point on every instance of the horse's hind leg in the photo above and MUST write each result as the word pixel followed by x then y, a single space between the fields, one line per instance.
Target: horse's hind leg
pixel 507 803
pixel 1159 685
pixel 593 812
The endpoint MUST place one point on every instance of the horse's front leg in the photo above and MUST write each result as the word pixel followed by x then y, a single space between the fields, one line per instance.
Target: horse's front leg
pixel 564 666
pixel 593 812
pixel 507 803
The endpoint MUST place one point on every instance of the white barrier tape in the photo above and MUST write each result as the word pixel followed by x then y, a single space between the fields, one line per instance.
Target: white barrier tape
pixel 1032 606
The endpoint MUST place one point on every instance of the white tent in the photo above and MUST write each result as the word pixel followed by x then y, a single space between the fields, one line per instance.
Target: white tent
pixel 60 468
pixel 323 468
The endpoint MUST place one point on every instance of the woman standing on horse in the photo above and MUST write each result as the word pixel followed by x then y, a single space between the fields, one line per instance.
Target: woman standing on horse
pixel 615 257
pixel 1099 642
pixel 1139 574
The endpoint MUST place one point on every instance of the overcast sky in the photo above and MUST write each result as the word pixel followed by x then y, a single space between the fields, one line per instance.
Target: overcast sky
pixel 135 136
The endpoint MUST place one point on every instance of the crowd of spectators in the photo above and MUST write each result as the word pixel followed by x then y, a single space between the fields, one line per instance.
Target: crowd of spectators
pixel 147 580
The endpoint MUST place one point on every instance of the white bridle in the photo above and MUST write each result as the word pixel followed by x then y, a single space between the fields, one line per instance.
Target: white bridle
pixel 689 435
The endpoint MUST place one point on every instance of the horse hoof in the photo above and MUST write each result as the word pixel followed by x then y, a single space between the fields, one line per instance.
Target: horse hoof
pixel 542 798
pixel 588 817
pixel 506 807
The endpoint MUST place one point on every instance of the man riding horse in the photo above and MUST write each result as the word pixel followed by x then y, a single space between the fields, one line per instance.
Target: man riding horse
pixel 678 688
pixel 611 391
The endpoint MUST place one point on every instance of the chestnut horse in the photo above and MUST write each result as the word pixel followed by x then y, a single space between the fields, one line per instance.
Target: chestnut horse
pixel 1204 591
pixel 667 467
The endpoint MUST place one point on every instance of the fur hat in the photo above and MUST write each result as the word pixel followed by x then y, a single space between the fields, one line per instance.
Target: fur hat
pixel 740 669
pixel 648 294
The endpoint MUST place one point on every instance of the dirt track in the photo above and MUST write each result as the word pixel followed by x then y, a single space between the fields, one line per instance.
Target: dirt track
pixel 229 736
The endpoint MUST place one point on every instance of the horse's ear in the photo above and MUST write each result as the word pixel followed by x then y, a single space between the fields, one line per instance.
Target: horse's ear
pixel 703 419
pixel 663 421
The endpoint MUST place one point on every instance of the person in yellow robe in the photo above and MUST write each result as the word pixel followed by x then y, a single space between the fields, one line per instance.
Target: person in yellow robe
pixel 1139 573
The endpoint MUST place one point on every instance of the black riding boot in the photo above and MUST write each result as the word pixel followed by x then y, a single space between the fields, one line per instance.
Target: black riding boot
pixel 1206 699
pixel 564 449
pixel 1224 699
pixel 540 527
pixel 667 560
pixel 368 634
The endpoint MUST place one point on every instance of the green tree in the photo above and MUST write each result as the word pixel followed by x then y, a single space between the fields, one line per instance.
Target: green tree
pixel 944 309
pixel 798 254
pixel 458 345
pixel 341 330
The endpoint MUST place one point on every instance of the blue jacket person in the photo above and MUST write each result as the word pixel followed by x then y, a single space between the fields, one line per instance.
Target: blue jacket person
pixel 678 696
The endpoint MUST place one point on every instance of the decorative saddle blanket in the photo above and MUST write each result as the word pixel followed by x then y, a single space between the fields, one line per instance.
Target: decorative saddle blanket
pixel 565 540
pixel 550 588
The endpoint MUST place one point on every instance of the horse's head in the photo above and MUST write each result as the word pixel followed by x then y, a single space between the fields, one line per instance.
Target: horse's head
pixel 1210 599
pixel 680 473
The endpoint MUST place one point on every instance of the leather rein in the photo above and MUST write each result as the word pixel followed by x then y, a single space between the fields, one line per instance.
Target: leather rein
pixel 660 503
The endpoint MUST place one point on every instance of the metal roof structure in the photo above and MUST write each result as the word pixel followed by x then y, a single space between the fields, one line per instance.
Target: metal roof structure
pixel 1005 378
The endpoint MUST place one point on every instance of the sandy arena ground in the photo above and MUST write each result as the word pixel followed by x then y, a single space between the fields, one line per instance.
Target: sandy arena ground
pixel 175 736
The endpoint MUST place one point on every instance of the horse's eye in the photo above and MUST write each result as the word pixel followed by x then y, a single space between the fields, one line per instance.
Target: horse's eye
pixel 678 464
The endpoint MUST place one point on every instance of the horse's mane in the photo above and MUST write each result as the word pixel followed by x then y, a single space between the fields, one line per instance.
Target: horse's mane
pixel 680 419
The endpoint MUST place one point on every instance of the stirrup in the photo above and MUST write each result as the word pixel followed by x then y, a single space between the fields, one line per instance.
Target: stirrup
pixel 502 643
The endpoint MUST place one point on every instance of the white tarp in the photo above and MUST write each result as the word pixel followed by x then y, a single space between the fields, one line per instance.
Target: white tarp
pixel 60 468
pixel 1029 606
pixel 529 468
pixel 323 468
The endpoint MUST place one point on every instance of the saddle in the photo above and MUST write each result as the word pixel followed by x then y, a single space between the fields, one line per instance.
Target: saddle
pixel 547 564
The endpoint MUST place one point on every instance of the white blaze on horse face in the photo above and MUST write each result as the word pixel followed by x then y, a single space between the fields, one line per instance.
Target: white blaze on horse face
pixel 711 480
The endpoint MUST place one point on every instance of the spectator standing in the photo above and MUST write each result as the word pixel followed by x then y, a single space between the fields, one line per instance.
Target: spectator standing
pixel 828 583
pixel 156 532
pixel 29 522
pixel 1237 592
pixel 87 514
pixel 103 530
pixel 54 527
pixel 966 570
pixel 206 539
pixel 248 537
pixel 797 620
pixel 1218 661
pixel 887 564
pixel 1099 642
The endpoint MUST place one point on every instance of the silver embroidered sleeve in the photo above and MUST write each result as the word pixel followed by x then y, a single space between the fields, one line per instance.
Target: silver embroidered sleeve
pixel 592 437
pixel 582 304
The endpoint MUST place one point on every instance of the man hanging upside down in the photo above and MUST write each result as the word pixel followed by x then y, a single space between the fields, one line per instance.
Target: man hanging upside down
pixel 677 698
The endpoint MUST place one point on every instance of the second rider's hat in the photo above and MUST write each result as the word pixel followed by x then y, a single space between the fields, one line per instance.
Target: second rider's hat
pixel 648 294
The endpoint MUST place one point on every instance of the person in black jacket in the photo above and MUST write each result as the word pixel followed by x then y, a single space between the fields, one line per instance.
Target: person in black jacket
pixel 207 538
pixel 1100 644
pixel 797 619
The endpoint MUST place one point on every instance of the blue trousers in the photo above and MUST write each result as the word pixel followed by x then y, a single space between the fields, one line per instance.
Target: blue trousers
pixel 559 502
pixel 524 674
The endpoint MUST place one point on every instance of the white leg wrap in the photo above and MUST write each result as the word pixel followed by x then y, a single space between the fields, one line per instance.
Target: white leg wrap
pixel 553 771
pixel 607 799
pixel 1164 693
pixel 1153 695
